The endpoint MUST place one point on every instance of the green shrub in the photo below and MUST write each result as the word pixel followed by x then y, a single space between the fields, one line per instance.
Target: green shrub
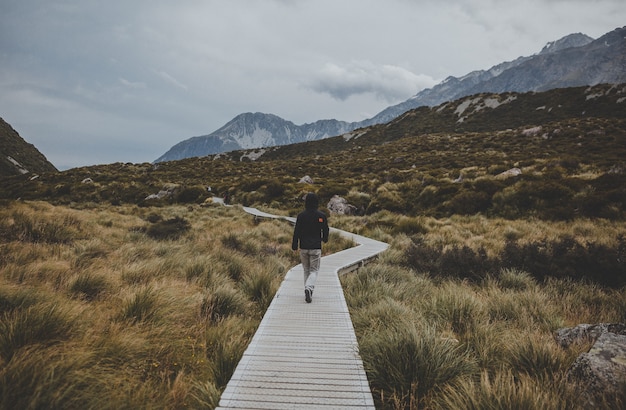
pixel 192 194
pixel 561 258
pixel 567 258
pixel 469 203
pixel 457 262
pixel 328 190
pixel 273 189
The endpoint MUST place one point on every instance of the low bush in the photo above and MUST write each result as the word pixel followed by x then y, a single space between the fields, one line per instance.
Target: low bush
pixel 560 258
pixel 568 258
pixel 456 261
pixel 192 195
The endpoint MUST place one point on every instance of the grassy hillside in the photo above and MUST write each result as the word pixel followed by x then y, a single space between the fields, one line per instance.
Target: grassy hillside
pixel 19 157
pixel 569 154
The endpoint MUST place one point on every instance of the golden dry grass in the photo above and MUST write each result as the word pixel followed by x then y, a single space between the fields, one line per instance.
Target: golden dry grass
pixel 127 309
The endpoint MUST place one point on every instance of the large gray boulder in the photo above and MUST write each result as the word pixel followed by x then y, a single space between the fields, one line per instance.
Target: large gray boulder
pixel 340 206
pixel 567 336
pixel 602 371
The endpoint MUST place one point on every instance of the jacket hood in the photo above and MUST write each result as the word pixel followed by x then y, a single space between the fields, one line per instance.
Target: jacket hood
pixel 311 201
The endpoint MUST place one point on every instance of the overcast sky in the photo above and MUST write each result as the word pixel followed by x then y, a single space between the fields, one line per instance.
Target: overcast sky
pixel 94 82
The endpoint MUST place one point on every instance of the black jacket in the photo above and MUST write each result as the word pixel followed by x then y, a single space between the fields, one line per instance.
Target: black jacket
pixel 311 229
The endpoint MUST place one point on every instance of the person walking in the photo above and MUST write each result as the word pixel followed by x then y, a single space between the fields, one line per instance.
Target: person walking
pixel 310 231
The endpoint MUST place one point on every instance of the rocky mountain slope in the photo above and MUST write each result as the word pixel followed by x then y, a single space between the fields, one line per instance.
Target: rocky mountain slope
pixel 478 113
pixel 18 157
pixel 571 61
pixel 252 130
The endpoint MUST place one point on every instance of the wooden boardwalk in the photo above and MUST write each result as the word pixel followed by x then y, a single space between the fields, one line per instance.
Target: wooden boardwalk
pixel 305 355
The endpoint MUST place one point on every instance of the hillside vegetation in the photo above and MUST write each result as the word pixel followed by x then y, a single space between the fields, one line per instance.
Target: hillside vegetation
pixel 17 157
pixel 114 297
pixel 567 146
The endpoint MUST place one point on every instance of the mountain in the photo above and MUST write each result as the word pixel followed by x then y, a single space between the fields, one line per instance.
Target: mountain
pixel 18 157
pixel 574 60
pixel 478 113
pixel 255 130
pixel 479 81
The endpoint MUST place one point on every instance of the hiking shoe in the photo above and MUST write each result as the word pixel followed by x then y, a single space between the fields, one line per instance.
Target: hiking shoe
pixel 307 295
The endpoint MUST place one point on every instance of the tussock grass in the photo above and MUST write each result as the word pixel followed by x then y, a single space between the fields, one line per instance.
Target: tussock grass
pixel 225 344
pixel 141 306
pixel 37 324
pixel 407 362
pixel 110 317
pixel 507 390
pixel 162 323
pixel 89 285
pixel 260 286
pixel 222 302
pixel 502 323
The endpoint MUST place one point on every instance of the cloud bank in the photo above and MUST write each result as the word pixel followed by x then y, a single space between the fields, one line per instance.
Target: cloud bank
pixel 388 83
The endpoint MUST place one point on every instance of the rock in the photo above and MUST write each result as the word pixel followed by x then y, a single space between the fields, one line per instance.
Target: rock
pixel 167 191
pixel 602 371
pixel 513 172
pixel 306 180
pixel 340 206
pixel 532 132
pixel 565 337
pixel 87 181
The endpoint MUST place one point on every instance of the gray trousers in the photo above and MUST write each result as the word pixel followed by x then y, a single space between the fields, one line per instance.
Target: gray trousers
pixel 311 264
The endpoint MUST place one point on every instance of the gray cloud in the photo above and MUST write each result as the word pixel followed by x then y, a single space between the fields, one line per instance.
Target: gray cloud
pixel 387 82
